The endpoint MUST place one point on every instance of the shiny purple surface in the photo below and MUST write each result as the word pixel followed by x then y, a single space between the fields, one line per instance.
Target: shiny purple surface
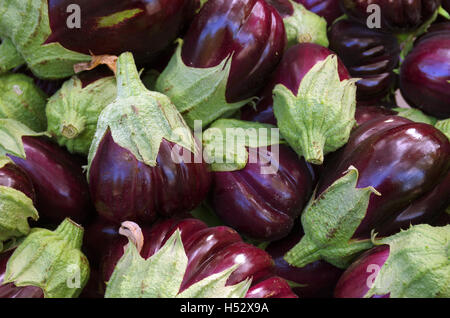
pixel 329 9
pixel 209 251
pixel 425 73
pixel 146 32
pixel 366 113
pixel 263 206
pixel 124 188
pixel 249 30
pixel 58 178
pixel 296 62
pixel 15 177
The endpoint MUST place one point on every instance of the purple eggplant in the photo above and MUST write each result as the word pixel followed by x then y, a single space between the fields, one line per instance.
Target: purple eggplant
pixel 329 9
pixel 263 206
pixel 296 62
pixel 366 113
pixel 446 5
pixel 58 178
pixel 425 73
pixel 15 177
pixel 368 54
pixel 395 15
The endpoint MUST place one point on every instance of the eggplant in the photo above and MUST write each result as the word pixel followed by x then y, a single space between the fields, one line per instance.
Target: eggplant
pixel 13 176
pixel 329 9
pixel 65 32
pixel 394 15
pixel 226 56
pixel 366 113
pixel 446 5
pixel 368 54
pixel 209 250
pixel 425 74
pixel 381 272
pixel 296 62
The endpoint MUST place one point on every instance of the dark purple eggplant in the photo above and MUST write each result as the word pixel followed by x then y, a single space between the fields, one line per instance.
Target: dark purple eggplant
pixel 58 178
pixel 425 73
pixel 263 206
pixel 368 54
pixel 15 177
pixel 446 5
pixel 329 9
pixel 296 62
pixel 366 113
pixel 395 15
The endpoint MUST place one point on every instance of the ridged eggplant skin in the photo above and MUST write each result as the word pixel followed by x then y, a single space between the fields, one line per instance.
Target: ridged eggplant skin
pixel 296 62
pixel 209 250
pixel 403 163
pixel 58 178
pixel 425 73
pixel 144 27
pixel 396 15
pixel 263 206
pixel 354 283
pixel 368 54
pixel 15 177
pixel 250 30
pixel 123 188
pixel 10 290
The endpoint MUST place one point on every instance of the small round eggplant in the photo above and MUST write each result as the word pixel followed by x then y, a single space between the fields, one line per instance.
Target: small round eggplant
pixel 425 74
pixel 368 54
pixel 395 15
pixel 209 251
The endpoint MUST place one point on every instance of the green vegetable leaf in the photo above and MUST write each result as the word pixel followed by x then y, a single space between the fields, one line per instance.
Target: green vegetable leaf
pixel 444 126
pixel 416 115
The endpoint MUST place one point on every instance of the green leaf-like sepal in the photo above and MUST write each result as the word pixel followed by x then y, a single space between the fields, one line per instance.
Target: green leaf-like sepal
pixel 226 142
pixel 161 276
pixel 304 26
pixel 9 57
pixel 418 265
pixel 444 126
pixel 139 119
pixel 330 221
pixel 319 118
pixel 416 115
pixel 23 101
pixel 72 112
pixel 26 24
pixel 15 209
pixel 11 133
pixel 51 260
pixel 198 93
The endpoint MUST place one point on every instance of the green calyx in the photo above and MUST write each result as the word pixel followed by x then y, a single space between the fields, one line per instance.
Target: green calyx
pixel 226 142
pixel 304 26
pixel 329 222
pixel 444 126
pixel 162 274
pixel 26 25
pixel 198 93
pixel 72 112
pixel 11 133
pixel 418 265
pixel 319 118
pixel 51 260
pixel 15 210
pixel 23 101
pixel 416 115
pixel 139 119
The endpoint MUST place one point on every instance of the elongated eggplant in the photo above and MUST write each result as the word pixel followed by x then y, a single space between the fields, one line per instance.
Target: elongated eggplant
pixel 394 15
pixel 296 62
pixel 142 161
pixel 65 32
pixel 381 272
pixel 209 251
pixel 227 55
pixel 368 54
pixel 425 74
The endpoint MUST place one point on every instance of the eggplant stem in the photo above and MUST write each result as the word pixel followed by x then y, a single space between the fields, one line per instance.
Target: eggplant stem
pixel 134 233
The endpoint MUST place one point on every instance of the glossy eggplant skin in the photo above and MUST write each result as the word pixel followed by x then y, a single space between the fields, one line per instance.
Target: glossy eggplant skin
pixel 317 279
pixel 368 54
pixel 403 163
pixel 58 178
pixel 366 113
pixel 144 27
pixel 124 188
pixel 250 30
pixel 329 9
pixel 12 291
pixel 263 206
pixel 425 73
pixel 296 62
pixel 396 15
pixel 15 177
pixel 209 251
pixel 357 279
